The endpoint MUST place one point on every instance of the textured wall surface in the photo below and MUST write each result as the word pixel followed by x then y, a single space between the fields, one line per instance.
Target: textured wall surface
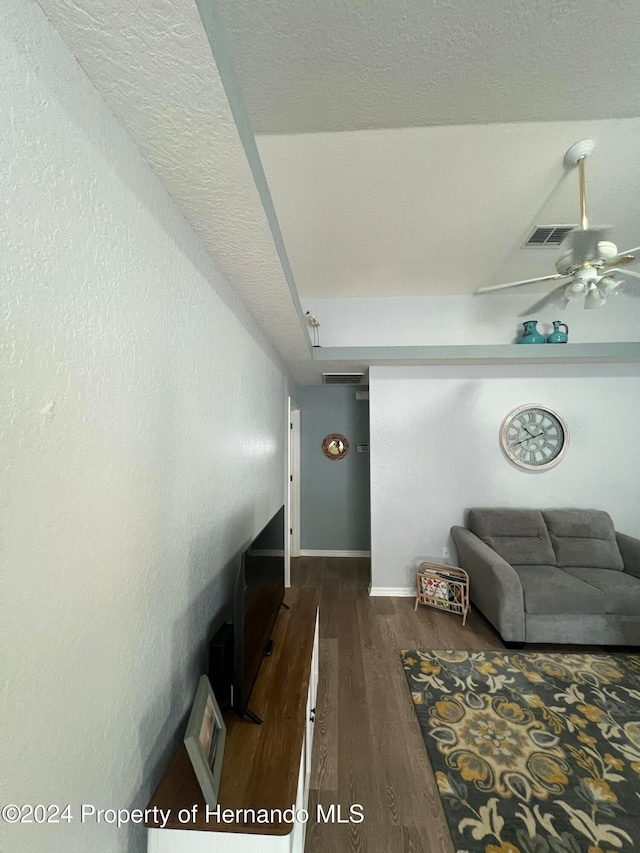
pixel 143 438
pixel 334 503
pixel 435 451
pixel 491 319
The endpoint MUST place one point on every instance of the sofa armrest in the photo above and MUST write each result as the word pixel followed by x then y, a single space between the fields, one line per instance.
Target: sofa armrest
pixel 630 550
pixel 494 584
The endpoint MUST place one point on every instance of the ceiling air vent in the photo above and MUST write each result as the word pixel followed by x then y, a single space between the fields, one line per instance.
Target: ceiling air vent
pixel 342 378
pixel 545 236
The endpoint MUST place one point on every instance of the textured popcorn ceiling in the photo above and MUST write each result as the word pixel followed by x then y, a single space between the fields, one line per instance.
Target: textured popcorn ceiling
pixel 309 66
pixel 152 64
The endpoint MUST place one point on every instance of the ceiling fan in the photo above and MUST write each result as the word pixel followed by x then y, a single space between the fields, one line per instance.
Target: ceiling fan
pixel 587 257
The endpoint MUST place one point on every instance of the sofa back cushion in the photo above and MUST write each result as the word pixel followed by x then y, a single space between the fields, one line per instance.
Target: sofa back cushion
pixel 584 538
pixel 519 536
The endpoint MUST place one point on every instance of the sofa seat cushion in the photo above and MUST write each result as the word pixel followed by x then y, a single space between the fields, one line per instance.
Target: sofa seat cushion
pixel 621 591
pixel 552 591
pixel 583 538
pixel 519 536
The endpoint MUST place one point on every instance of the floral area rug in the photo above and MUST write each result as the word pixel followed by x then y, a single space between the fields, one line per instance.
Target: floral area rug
pixel 532 752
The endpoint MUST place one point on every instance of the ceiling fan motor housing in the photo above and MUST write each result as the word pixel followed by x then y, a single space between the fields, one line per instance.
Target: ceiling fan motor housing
pixel 566 265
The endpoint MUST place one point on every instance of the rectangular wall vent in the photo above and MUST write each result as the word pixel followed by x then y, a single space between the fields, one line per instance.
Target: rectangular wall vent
pixel 548 236
pixel 342 378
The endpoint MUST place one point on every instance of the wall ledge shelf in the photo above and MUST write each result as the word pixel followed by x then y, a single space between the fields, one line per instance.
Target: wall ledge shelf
pixel 622 352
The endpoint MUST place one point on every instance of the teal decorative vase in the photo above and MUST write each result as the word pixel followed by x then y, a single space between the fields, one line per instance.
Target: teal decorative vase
pixel 531 335
pixel 558 336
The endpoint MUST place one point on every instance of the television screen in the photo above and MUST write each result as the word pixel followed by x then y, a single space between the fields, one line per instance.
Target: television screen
pixel 258 595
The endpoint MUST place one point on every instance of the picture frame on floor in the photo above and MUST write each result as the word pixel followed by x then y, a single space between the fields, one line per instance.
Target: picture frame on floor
pixel 204 740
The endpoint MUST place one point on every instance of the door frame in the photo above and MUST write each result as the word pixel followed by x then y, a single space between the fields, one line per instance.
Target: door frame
pixel 292 543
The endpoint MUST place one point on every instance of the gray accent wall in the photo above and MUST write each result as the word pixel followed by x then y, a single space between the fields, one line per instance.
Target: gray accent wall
pixel 334 495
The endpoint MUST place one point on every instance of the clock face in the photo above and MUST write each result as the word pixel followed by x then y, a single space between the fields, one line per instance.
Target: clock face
pixel 534 437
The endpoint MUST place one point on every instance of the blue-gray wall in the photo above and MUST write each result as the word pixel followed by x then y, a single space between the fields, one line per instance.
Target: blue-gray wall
pixel 334 495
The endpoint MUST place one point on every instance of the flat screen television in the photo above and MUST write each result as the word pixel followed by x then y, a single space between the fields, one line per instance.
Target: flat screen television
pixel 258 594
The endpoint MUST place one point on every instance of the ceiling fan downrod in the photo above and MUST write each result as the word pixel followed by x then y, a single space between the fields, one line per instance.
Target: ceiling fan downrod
pixel 584 222
pixel 575 156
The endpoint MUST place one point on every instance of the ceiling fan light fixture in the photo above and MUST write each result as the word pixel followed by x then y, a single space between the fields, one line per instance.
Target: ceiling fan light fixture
pixel 595 298
pixel 607 285
pixel 576 289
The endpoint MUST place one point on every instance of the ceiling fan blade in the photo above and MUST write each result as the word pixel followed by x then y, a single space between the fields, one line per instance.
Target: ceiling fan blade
pixel 583 242
pixel 620 259
pixel 632 273
pixel 556 298
pixel 627 288
pixel 627 253
pixel 555 277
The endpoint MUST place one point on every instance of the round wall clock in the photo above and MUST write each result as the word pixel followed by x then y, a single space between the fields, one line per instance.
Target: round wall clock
pixel 534 437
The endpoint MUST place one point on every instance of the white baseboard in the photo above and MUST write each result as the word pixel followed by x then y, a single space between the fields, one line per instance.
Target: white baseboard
pixel 394 591
pixel 304 552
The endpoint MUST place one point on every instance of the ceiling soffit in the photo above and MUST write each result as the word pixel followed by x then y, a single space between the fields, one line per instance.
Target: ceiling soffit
pixel 153 65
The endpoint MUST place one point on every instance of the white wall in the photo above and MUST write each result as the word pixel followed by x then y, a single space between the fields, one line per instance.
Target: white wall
pixel 435 451
pixel 490 319
pixel 143 446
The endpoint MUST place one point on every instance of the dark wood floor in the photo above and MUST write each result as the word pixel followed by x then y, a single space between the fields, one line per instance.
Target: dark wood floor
pixel 368 748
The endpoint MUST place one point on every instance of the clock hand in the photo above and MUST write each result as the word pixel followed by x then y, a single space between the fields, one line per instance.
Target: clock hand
pixel 528 438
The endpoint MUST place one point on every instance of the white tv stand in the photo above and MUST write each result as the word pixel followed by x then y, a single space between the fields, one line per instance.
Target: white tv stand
pixel 265 767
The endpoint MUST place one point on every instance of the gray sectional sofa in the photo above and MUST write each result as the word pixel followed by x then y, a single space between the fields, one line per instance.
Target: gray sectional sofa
pixel 552 576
